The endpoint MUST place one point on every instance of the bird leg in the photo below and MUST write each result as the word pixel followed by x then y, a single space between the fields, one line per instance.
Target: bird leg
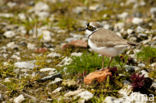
pixel 102 62
pixel 110 62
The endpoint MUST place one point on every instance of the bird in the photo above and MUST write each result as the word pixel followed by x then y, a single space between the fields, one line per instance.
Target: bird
pixel 105 42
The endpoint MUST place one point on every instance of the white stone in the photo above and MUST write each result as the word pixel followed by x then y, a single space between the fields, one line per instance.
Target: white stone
pixel 129 31
pixel 19 99
pixel 12 45
pixel 9 34
pixel 6 80
pixel 119 25
pixel 73 93
pixel 53 55
pixel 47 69
pixel 57 90
pixel 57 80
pixel 109 99
pixel 145 73
pixel 41 6
pixel 11 4
pixel 126 90
pixel 22 16
pixel 124 15
pixel 94 7
pixel 31 46
pixel 85 95
pixel 137 20
pixel 15 57
pixel 26 64
pixel 46 35
pixel 76 54
pixel 6 15
pixel 140 29
pixel 78 9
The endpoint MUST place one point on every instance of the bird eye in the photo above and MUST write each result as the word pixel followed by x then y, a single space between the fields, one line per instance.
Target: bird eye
pixel 90 27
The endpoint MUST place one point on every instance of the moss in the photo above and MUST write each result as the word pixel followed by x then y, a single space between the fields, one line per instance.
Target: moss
pixel 147 54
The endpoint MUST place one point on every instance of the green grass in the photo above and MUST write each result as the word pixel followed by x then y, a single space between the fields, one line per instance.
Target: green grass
pixel 89 62
pixel 147 54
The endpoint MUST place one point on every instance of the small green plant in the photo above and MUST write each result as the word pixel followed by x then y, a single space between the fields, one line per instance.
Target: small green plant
pixel 89 62
pixel 147 54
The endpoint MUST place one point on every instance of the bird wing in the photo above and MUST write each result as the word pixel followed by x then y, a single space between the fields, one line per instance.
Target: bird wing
pixel 106 38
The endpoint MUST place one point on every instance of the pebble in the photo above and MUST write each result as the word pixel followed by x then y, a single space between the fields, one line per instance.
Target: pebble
pixel 130 31
pixel 57 80
pixel 57 90
pixel 22 16
pixel 50 77
pixel 9 34
pixel 6 15
pixel 54 55
pixel 153 12
pixel 19 99
pixel 31 46
pixel 76 54
pixel 145 73
pixel 79 9
pixel 48 70
pixel 85 96
pixel 25 64
pixel 137 20
pixel 124 15
pixel 46 35
pixel 12 45
pixel 126 90
pixel 1 97
pixel 6 80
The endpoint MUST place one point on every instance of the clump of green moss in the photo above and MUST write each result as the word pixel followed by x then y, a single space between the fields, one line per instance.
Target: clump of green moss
pixel 147 54
pixel 89 62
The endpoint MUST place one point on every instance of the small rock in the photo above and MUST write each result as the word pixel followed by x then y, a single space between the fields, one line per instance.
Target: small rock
pixel 109 99
pixel 57 90
pixel 145 73
pixel 142 65
pixel 124 15
pixel 126 90
pixel 6 15
pixel 131 69
pixel 9 34
pixel 41 6
pixel 139 29
pixel 130 31
pixel 56 81
pixel 31 46
pixel 22 16
pixel 153 85
pixel 50 77
pixel 48 70
pixel 153 12
pixel 1 98
pixel 137 20
pixel 19 99
pixel 100 76
pixel 73 93
pixel 85 96
pixel 78 9
pixel 7 80
pixel 54 55
pixel 25 65
pixel 76 54
pixel 47 35
pixel 12 45
pixel 15 57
